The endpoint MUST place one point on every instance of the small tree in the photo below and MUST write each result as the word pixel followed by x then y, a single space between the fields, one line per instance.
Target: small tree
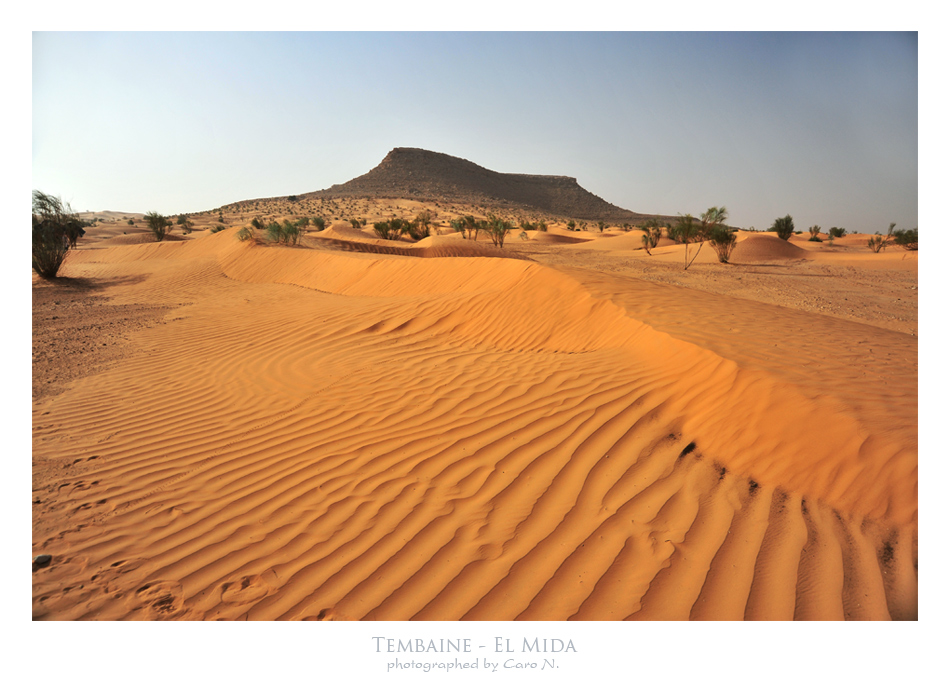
pixel 53 223
pixel 542 226
pixel 814 231
pixel 319 223
pixel 686 231
pixel 835 232
pixel 602 225
pixel 879 242
pixel 571 225
pixel 649 241
pixel 158 224
pixel 472 227
pixel 458 225
pixel 653 229
pixel 498 230
pixel 784 227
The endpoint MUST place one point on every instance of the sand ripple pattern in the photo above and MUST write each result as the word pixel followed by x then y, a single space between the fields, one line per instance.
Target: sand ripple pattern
pixel 317 435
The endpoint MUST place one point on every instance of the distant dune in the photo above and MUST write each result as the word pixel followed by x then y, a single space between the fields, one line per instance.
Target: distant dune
pixel 329 432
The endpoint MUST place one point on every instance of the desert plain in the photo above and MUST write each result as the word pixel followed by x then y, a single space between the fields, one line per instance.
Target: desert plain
pixel 565 428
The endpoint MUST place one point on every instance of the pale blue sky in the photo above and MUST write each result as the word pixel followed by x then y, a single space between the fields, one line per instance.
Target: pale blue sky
pixel 819 125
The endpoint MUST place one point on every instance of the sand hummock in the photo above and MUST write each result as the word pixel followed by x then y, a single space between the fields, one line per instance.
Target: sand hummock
pixel 341 431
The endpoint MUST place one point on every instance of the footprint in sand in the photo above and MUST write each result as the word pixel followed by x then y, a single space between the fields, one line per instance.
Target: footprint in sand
pixel 162 600
pixel 245 590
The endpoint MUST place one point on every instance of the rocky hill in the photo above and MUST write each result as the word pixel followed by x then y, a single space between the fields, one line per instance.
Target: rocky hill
pixel 429 176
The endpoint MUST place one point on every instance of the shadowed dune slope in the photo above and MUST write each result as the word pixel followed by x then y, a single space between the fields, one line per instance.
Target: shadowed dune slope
pixel 332 435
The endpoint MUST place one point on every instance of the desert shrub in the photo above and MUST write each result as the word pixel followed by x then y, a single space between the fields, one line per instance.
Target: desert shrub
pixel 906 239
pixel 245 234
pixel 422 221
pixel 649 242
pixel 355 222
pixel 256 223
pixel 602 225
pixel 879 242
pixel 157 224
pixel 686 231
pixel 53 224
pixel 291 232
pixel 471 227
pixel 784 227
pixel 458 225
pixel 814 231
pixel 131 222
pixel 417 229
pixel 220 218
pixel 292 198
pixel 523 235
pixel 571 225
pixel 653 230
pixel 837 232
pixel 526 224
pixel 392 229
pixel 319 223
pixel 723 241
pixel 498 230
pixel 275 233
pixel 217 229
pixel 542 226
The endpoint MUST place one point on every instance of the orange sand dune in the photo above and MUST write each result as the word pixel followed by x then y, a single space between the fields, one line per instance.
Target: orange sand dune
pixel 764 248
pixel 337 435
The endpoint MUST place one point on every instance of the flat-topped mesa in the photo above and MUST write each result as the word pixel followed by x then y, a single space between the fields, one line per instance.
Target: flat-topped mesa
pixel 429 176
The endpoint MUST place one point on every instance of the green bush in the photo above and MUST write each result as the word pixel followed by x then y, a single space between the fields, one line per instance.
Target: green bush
pixel 217 229
pixel 906 239
pixel 158 224
pixel 131 222
pixel 879 242
pixel 319 223
pixel 256 223
pixel 784 227
pixel 245 234
pixel 649 242
pixel 723 241
pixel 498 230
pixel 53 224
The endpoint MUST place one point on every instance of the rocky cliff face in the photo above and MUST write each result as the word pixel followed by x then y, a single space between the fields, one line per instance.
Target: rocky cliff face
pixel 427 175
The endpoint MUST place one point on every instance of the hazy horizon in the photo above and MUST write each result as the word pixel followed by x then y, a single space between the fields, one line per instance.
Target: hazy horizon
pixel 822 126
